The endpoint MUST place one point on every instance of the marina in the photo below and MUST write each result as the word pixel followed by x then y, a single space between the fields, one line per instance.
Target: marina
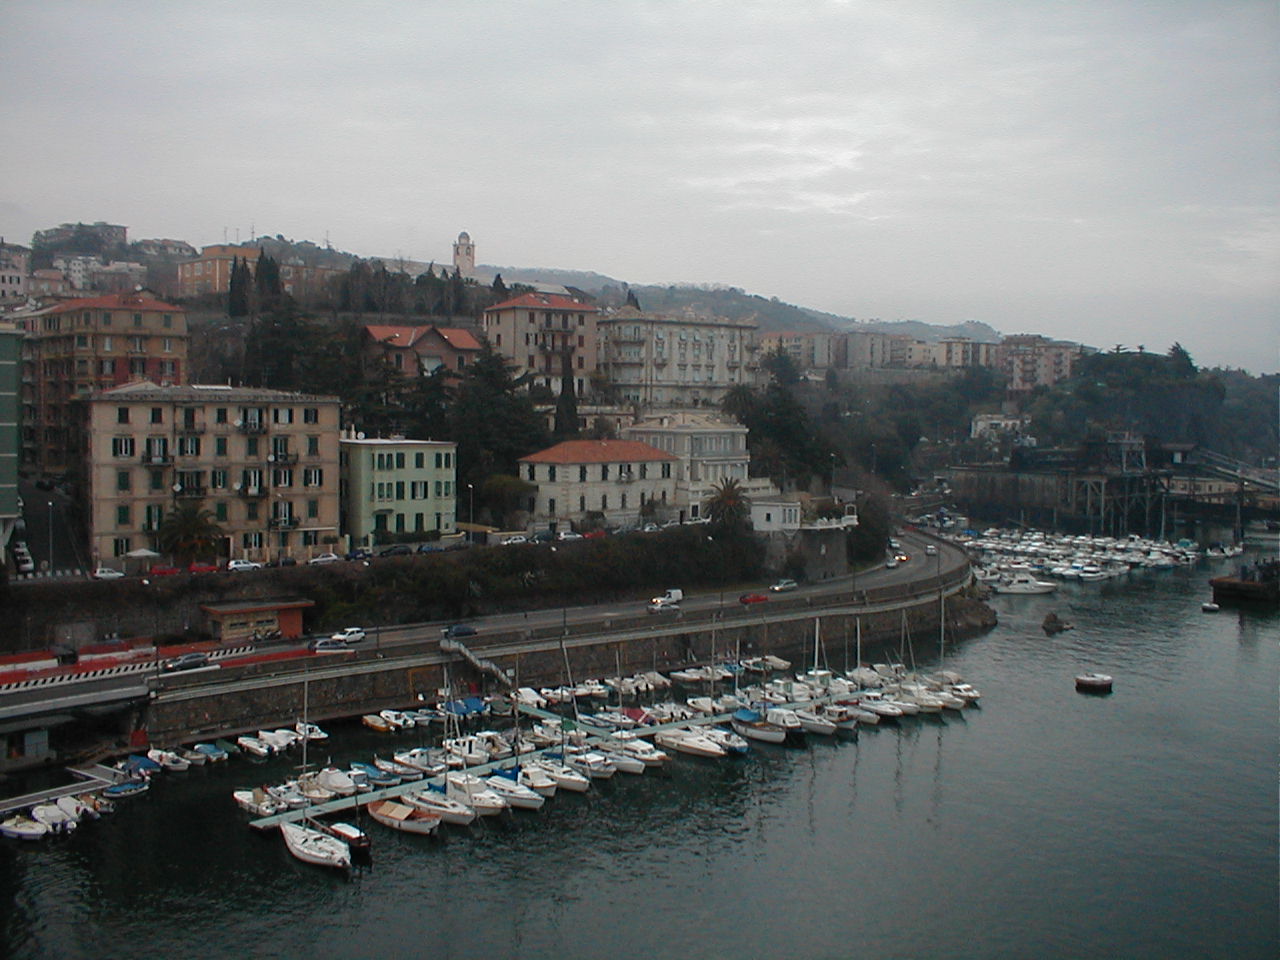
pixel 1115 803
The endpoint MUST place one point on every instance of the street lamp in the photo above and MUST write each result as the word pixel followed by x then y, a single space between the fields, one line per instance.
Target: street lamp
pixel 471 507
pixel 49 504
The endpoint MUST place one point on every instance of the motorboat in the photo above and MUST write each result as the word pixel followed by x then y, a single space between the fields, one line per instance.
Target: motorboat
pixel 815 722
pixel 96 805
pixel 529 697
pixel 213 752
pixel 752 725
pixel 309 731
pixel 689 741
pixel 450 810
pixel 622 761
pixel 430 762
pixel 331 778
pixel 312 846
pixel 276 740
pixel 289 734
pixel 1210 607
pixel 22 827
pixel 401 770
pixel 316 792
pixel 75 808
pixel 536 779
pixel 253 746
pixel 398 719
pixel 787 720
pixel 1023 582
pixel 405 817
pixel 1093 683
pixel 375 722
pixel 591 689
pixel 495 745
pixel 873 701
pixel 766 664
pixel 288 794
pixel 589 763
pixel 469 789
pixel 965 691
pixel 355 838
pixel 228 747
pixel 126 788
pixel 629 742
pixel 506 784
pixel 726 739
pixel 168 759
pixel 53 817
pixel 566 777
pixel 468 749
pixel 258 802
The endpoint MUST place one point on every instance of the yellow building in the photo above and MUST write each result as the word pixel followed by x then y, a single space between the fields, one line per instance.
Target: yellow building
pixel 264 463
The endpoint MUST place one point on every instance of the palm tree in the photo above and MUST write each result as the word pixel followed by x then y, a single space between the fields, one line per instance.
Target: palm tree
pixel 728 506
pixel 188 532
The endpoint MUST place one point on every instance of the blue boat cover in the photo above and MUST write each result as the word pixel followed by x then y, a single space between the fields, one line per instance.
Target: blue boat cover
pixel 747 716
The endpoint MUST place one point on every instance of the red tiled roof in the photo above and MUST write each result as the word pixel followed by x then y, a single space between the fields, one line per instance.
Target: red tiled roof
pixel 599 451
pixel 394 336
pixel 116 301
pixel 544 301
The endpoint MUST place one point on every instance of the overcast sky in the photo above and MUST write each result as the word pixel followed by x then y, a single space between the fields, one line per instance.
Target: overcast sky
pixel 1097 171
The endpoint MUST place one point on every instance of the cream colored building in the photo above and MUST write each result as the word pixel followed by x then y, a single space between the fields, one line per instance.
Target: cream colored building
pixel 711 450
pixel 264 463
pixel 613 479
pixel 536 332
pixel 661 361
pixel 395 485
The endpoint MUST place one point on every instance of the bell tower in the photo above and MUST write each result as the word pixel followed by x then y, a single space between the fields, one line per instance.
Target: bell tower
pixel 464 255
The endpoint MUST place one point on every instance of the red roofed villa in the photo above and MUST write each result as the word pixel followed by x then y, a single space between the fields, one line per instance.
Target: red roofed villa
pixel 592 483
pixel 418 351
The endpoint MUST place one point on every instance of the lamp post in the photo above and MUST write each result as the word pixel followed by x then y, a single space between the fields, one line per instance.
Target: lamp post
pixel 49 505
pixel 471 504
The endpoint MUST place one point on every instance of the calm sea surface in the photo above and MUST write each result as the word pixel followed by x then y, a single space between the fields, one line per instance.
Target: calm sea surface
pixel 1044 824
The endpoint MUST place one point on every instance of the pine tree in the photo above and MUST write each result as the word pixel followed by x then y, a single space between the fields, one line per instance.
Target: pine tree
pixel 499 287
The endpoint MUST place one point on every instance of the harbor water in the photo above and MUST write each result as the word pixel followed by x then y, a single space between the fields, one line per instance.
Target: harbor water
pixel 1045 823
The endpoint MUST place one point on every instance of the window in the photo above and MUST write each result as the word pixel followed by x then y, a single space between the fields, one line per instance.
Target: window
pixel 582 474
pixel 604 501
pixel 282 415
pixel 123 480
pixel 122 446
pixel 644 471
pixel 107 368
pixel 551 506
pixel 152 517
pixel 313 509
pixel 551 474
pixel 438 487
pixel 531 472
pixel 120 546
pixel 623 505
pixel 167 345
pixel 310 414
pixel 439 460
pixel 310 538
pixel 582 504
pixel 251 541
pixel 167 320
pixel 252 512
pixel 122 414
pixel 399 489
pixel 282 477
pixel 188 446
pixel 313 477
pixel 123 516
pixel 419 461
pixel 604 471
pixel 448 461
pixel 156 480
pixel 106 319
pixel 251 447
pixel 218 479
pixel 137 319
pixel 157 415
pixel 220 415
pixel 666 473
pixel 219 446
pixel 220 511
pixel 419 522
pixel 313 446
pixel 399 523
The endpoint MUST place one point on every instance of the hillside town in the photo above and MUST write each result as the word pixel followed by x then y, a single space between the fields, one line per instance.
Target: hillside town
pixel 111 399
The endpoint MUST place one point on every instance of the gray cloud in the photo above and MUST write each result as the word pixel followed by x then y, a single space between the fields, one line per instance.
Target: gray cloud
pixel 1068 168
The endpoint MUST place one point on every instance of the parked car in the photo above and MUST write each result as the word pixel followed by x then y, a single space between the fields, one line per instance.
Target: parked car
pixel 188 661
pixel 349 635
pixel 595 534
pixel 749 598
pixel 327 645
pixel 163 570
pixel 458 630
pixel 283 562
pixel 325 558
pixel 234 565
pixel 568 535
pixel 782 586
pixel 360 553
pixel 197 566
pixel 519 538
pixel 107 573
pixel 396 550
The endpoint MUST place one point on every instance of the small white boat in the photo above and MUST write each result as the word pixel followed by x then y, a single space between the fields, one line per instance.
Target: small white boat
pixel 691 742
pixel 643 750
pixel 589 763
pixel 404 817
pixel 254 746
pixel 752 725
pixel 844 717
pixel 258 802
pixel 312 846
pixel 566 777
pixel 516 794
pixel 529 697
pixel 787 720
pixel 214 753
pixel 22 827
pixel 730 741
pixel 168 759
pixel 469 789
pixel 536 779
pixel 468 749
pixel 309 731
pixel 355 838
pixel 331 778
pixel 275 740
pixel 429 761
pixel 1023 583
pixel 622 761
pixel 288 794
pixel 450 810
pixel 310 787
pixel 814 722
pixel 398 719
pixel 53 817
pixel 1210 607
pixel 375 722
pixel 402 770
pixel 1093 683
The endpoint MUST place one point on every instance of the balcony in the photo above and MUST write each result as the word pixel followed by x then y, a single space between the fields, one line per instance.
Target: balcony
pixel 191 493
pixel 251 493
pixel 282 523
pixel 282 458
pixel 626 477
pixel 254 427
pixel 153 458
pixel 190 429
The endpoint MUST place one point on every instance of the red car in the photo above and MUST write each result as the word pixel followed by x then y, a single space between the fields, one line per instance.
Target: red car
pixel 753 598
pixel 160 570
pixel 198 567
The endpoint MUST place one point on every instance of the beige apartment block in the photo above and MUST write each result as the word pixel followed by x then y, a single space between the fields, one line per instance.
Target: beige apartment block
pixel 537 332
pixel 264 463
pixel 395 486
pixel 666 361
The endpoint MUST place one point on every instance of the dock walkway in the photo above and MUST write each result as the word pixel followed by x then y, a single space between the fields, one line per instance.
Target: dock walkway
pixel 91 778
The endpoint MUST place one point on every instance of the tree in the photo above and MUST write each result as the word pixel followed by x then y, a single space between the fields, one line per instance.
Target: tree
pixel 493 423
pixel 632 299
pixel 238 292
pixel 499 287
pixel 188 532
pixel 566 425
pixel 728 506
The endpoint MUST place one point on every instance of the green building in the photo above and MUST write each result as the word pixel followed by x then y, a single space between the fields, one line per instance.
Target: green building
pixel 397 486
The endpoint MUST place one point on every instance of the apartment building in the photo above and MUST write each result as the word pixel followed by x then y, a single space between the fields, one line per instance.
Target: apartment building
pixel 106 234
pixel 605 480
pixel 211 271
pixel 77 347
pixel 395 485
pixel 664 361
pixel 1030 360
pixel 264 463
pixel 536 333
pixel 418 351
pixel 15 265
pixel 10 345
pixel 710 450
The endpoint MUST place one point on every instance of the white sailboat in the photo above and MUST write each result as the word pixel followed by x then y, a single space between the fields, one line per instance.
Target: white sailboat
pixel 312 846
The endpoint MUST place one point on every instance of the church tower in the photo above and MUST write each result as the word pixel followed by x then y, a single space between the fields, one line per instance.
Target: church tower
pixel 464 255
